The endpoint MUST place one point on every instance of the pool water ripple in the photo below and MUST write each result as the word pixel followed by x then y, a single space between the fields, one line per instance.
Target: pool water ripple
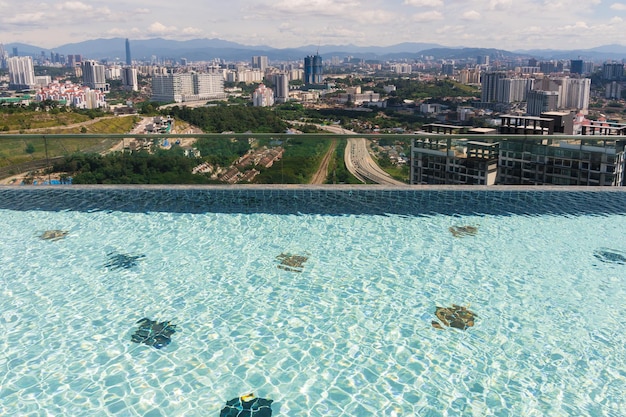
pixel 350 334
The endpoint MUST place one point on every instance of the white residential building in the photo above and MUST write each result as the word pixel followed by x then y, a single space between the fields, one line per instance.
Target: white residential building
pixel 21 73
pixel 187 87
pixel 263 96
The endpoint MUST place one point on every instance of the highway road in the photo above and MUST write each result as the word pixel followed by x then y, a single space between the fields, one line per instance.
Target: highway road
pixel 359 161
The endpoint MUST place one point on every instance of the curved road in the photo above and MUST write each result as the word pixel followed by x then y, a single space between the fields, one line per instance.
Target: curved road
pixel 359 161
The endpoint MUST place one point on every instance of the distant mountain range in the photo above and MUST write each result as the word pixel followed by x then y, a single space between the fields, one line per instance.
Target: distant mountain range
pixel 206 49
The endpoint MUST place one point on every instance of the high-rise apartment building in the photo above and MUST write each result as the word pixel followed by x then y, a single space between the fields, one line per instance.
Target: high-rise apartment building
pixel 612 71
pixel 512 90
pixel 577 95
pixel 262 96
pixel 541 161
pixel 281 87
pixel 129 60
pixel 4 55
pixel 447 69
pixel 260 62
pixel 187 87
pixel 74 60
pixel 94 75
pixel 129 79
pixel 313 72
pixel 613 90
pixel 539 101
pixel 576 66
pixel 21 73
pixel 490 83
pixel 440 161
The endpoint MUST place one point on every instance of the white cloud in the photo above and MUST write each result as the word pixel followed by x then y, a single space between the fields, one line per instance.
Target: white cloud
pixel 191 31
pixel 315 7
pixel 74 6
pixel 500 4
pixel 427 16
pixel 616 19
pixel 471 15
pixel 25 18
pixel 424 3
pixel 375 16
pixel 141 11
pixel 158 28
pixel 618 6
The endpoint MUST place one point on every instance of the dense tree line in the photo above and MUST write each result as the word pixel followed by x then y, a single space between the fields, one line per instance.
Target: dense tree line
pixel 237 119
pixel 222 151
pixel 408 89
pixel 164 167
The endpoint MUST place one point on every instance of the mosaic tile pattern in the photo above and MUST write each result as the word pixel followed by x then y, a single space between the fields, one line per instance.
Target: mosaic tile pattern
pixel 320 200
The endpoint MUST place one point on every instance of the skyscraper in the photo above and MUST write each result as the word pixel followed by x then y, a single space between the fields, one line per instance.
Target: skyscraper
pixel 129 60
pixel 94 75
pixel 21 73
pixel 576 66
pixel 281 86
pixel 313 73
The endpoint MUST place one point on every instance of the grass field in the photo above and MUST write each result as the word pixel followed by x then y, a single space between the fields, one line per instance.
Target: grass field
pixel 22 121
pixel 17 151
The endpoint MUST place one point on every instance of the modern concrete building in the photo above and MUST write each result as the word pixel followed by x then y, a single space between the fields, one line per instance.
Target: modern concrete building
pixel 510 161
pixel 260 62
pixel 447 161
pixel 580 162
pixel 526 125
pixel 511 90
pixel 281 87
pixel 94 75
pixel 263 96
pixel 129 79
pixel 576 66
pixel 313 72
pixel 21 73
pixel 613 90
pixel 129 60
pixel 490 83
pixel 612 71
pixel 539 101
pixel 187 87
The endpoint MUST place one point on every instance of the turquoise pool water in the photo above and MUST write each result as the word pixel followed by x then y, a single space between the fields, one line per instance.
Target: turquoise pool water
pixel 347 334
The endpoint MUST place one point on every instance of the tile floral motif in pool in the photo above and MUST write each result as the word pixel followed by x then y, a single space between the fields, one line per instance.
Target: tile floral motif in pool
pixel 122 261
pixel 53 235
pixel 153 333
pixel 247 406
pixel 293 263
pixel 461 231
pixel 456 316
pixel 611 256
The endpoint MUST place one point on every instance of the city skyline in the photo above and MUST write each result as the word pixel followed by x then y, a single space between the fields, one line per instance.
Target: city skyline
pixel 295 23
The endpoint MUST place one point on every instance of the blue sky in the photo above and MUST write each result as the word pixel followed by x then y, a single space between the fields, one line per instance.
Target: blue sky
pixel 504 24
